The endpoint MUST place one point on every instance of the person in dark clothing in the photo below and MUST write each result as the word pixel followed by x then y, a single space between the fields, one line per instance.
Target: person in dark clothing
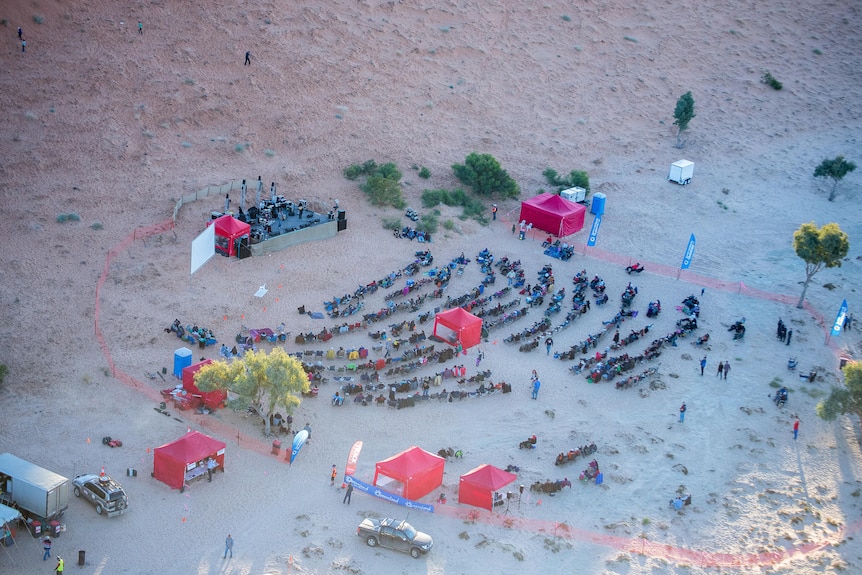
pixel 347 494
pixel 789 335
pixel 247 59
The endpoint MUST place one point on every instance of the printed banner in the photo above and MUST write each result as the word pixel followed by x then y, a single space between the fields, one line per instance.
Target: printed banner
pixel 689 253
pixel 839 319
pixel 594 232
pixel 352 459
pixel 385 495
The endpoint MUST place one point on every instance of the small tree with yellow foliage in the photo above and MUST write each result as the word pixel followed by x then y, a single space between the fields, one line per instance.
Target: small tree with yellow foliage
pixel 267 381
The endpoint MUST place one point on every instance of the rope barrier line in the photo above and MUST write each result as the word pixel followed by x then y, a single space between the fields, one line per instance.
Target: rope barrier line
pixel 631 545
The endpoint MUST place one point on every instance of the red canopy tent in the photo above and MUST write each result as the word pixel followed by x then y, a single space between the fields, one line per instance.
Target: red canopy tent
pixel 228 230
pixel 478 486
pixel 467 327
pixel 413 473
pixel 210 399
pixel 553 214
pixel 184 459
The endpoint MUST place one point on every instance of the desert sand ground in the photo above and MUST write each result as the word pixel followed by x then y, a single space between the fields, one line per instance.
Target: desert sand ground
pixel 114 126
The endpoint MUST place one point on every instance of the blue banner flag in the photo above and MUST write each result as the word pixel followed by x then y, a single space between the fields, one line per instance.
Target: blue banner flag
pixel 689 253
pixel 386 496
pixel 839 319
pixel 594 232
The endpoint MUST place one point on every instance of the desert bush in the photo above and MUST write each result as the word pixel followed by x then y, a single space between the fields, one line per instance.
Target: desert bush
pixel 356 170
pixel 382 191
pixel 391 223
pixel 428 223
pixel 575 178
pixel 449 225
pixel 424 173
pixel 771 81
pixel 483 173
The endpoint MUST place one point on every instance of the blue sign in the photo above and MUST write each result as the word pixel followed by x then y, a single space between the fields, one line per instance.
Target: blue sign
pixel 839 319
pixel 594 232
pixel 391 497
pixel 689 253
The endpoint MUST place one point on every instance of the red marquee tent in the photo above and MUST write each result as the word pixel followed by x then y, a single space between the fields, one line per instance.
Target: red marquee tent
pixel 553 214
pixel 414 472
pixel 210 399
pixel 478 486
pixel 172 461
pixel 467 327
pixel 228 230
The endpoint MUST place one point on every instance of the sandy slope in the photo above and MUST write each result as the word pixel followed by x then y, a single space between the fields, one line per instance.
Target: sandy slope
pixel 114 126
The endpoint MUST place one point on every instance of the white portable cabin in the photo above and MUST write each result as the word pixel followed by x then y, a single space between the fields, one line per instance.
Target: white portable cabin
pixel 681 172
pixel 576 194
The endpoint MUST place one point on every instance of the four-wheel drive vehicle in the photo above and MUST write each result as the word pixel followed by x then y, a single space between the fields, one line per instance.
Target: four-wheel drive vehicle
pixel 103 492
pixel 395 534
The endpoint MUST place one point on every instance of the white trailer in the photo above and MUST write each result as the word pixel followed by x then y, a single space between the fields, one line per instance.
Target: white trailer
pixel 681 172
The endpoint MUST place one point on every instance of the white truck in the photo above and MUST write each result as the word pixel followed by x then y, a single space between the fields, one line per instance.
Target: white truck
pixel 32 489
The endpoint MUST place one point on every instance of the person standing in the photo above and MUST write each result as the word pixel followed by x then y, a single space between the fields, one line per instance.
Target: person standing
pixel 536 385
pixel 347 494
pixel 682 409
pixel 211 464
pixel 20 33
pixel 493 208
pixel 795 429
pixel 789 335
pixel 549 343
pixel 46 545
pixel 702 365
pixel 726 369
pixel 720 369
pixel 513 229
pixel 140 27
pixel 23 45
pixel 61 566
pixel 425 388
pixel 617 337
pixel 333 475
pixel 247 59
pixel 479 357
pixel 228 546
pixel 848 319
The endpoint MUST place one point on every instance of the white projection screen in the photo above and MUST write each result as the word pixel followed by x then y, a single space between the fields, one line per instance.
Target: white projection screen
pixel 203 248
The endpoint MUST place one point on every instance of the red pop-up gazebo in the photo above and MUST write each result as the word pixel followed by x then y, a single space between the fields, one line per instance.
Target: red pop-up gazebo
pixel 459 326
pixel 553 214
pixel 228 231
pixel 185 458
pixel 413 473
pixel 477 487
pixel 211 399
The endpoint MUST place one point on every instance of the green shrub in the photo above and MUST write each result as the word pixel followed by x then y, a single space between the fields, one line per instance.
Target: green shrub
pixel 575 178
pixel 424 173
pixel 356 170
pixel 383 191
pixel 391 223
pixel 96 225
pixel 770 81
pixel 428 223
pixel 483 173
pixel 449 225
pixel 431 198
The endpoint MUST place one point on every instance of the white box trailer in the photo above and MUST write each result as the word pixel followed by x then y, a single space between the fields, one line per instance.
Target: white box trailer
pixel 681 172
pixel 34 489
pixel 576 194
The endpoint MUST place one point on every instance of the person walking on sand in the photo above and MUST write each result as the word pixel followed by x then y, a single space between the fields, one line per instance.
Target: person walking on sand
pixel 347 494
pixel 20 33
pixel 720 369
pixel 23 45
pixel 536 385
pixel 702 365
pixel 140 27
pixel 682 409
pixel 795 429
pixel 789 335
pixel 549 343
pixel 333 475
pixel 726 369
pixel 228 546
pixel 247 59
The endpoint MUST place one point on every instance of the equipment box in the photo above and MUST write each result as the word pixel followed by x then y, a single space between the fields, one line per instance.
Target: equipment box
pixel 681 172
pixel 575 194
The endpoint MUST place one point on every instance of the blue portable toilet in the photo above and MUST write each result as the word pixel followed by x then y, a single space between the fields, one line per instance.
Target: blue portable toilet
pixel 182 359
pixel 598 206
